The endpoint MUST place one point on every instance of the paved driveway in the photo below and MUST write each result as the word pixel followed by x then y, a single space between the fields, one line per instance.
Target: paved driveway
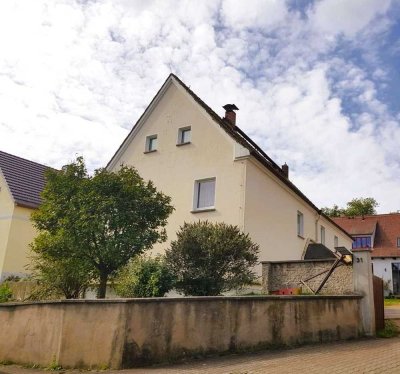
pixel 361 356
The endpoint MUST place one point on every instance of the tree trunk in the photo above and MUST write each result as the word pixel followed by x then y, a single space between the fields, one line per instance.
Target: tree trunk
pixel 101 292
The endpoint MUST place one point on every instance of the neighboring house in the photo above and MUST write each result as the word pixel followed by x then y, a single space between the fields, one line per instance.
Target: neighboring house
pixel 21 182
pixel 381 233
pixel 214 171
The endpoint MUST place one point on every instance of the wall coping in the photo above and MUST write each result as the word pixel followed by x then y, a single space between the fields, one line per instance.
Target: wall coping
pixel 187 299
pixel 299 261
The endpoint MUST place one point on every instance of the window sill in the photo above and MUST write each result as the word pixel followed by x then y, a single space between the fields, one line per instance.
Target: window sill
pixel 203 210
pixel 299 236
pixel 180 144
pixel 153 150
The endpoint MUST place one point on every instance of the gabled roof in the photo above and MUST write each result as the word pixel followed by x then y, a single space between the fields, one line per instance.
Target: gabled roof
pixel 24 178
pixel 386 234
pixel 236 133
pixel 358 225
pixel 317 251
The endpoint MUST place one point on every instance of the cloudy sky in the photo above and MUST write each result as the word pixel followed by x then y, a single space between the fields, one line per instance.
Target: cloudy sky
pixel 317 82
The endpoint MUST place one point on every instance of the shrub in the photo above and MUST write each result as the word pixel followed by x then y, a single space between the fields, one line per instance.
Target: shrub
pixel 5 293
pixel 144 277
pixel 390 330
pixel 210 258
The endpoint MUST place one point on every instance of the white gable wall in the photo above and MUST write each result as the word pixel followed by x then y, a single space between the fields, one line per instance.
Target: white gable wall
pixel 174 169
pixel 271 217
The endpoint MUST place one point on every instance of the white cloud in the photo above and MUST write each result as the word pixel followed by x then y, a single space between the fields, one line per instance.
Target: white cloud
pixel 253 13
pixel 75 76
pixel 346 16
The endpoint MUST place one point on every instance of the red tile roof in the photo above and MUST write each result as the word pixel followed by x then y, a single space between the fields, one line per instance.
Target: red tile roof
pixel 24 178
pixel 387 231
pixel 358 225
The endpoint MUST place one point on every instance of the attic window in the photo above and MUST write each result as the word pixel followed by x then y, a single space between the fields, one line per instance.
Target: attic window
pixel 184 135
pixel 151 143
pixel 362 242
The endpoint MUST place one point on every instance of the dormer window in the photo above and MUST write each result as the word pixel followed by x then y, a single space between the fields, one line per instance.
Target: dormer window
pixel 151 143
pixel 361 242
pixel 184 135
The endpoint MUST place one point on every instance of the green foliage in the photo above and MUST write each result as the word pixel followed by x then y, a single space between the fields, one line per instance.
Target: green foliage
pixel 57 276
pixel 391 301
pixel 144 277
pixel 5 293
pixel 390 331
pixel 361 207
pixel 335 211
pixel 356 207
pixel 210 258
pixel 54 365
pixel 104 219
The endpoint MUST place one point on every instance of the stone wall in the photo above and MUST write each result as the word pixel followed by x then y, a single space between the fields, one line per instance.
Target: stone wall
pixel 287 274
pixel 136 332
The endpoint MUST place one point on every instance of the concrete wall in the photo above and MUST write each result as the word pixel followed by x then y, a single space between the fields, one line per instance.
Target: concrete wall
pixel 277 275
pixel 136 332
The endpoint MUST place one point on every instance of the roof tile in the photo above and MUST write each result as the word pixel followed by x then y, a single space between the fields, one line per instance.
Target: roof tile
pixel 24 178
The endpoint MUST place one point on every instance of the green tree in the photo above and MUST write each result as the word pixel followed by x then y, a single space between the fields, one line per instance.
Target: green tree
pixel 361 207
pixel 144 277
pixel 106 219
pixel 57 275
pixel 335 211
pixel 356 207
pixel 210 258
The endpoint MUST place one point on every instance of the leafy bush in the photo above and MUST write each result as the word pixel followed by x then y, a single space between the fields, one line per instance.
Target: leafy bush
pixel 390 330
pixel 144 277
pixel 5 293
pixel 210 258
pixel 57 276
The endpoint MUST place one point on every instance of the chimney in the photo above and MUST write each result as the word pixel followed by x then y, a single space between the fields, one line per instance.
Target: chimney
pixel 285 170
pixel 230 115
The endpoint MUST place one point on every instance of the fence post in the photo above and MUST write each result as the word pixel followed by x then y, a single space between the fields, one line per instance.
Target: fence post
pixel 363 284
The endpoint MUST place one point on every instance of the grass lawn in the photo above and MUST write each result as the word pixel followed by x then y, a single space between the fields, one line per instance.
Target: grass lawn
pixel 389 302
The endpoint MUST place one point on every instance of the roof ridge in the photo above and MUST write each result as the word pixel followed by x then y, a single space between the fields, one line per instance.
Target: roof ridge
pixel 370 215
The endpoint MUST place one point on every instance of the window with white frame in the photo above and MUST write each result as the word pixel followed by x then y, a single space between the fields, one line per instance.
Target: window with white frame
pixel 335 242
pixel 204 194
pixel 151 143
pixel 300 224
pixel 322 235
pixel 184 135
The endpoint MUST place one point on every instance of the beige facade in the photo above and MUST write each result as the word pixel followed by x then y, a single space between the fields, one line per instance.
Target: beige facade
pixel 247 194
pixel 16 229
pixel 16 232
